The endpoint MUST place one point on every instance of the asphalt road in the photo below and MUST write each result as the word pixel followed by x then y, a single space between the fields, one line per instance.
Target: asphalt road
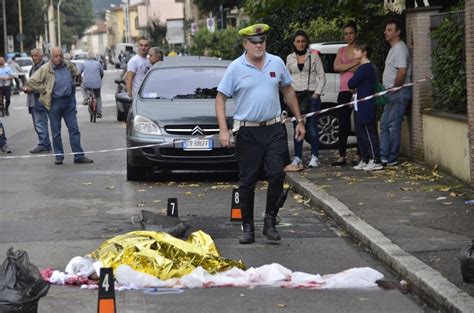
pixel 58 212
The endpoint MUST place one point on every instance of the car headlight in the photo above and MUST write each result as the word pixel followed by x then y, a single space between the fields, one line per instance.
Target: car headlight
pixel 144 125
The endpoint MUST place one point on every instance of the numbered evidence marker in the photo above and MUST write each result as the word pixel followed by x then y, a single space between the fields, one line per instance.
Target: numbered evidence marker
pixel 235 212
pixel 106 291
pixel 172 207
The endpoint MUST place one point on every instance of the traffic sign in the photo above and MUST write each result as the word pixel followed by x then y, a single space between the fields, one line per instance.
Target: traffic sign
pixel 194 28
pixel 20 37
pixel 10 45
pixel 210 24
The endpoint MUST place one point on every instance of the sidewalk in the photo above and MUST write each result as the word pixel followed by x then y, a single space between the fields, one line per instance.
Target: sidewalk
pixel 412 218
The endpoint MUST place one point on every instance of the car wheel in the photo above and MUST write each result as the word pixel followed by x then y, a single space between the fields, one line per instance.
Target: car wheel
pixel 328 129
pixel 136 173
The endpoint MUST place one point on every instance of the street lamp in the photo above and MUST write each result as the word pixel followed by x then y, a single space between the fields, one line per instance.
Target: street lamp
pixel 21 26
pixel 59 24
pixel 4 28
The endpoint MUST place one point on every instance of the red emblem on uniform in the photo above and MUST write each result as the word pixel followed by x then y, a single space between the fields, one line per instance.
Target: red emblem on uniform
pixel 272 74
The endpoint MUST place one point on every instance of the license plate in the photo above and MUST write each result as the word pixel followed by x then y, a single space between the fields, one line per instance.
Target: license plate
pixel 198 144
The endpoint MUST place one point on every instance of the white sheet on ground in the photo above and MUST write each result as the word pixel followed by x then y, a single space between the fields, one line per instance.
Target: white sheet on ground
pixel 272 275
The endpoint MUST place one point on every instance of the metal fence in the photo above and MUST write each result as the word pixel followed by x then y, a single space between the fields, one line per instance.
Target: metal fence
pixel 436 21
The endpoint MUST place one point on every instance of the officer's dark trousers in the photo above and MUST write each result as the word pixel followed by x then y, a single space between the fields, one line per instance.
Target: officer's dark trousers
pixel 256 148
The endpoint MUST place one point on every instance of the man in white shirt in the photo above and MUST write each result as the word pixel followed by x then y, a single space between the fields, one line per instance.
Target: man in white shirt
pixel 137 67
pixel 6 76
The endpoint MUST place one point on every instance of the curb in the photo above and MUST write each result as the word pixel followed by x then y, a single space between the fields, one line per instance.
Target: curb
pixel 425 279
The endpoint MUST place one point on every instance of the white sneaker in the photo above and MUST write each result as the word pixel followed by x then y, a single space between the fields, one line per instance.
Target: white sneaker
pixel 297 162
pixel 314 162
pixel 372 166
pixel 360 166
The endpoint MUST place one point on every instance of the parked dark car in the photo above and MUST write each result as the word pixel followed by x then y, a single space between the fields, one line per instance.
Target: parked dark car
pixel 175 109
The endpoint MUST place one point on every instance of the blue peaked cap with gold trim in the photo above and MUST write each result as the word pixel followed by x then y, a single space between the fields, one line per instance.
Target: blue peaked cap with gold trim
pixel 255 33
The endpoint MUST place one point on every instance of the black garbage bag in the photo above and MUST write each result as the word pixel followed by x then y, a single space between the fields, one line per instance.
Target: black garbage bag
pixel 21 284
pixel 467 263
pixel 163 223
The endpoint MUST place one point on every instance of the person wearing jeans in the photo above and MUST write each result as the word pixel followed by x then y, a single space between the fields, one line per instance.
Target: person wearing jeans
pixel 312 129
pixel 3 140
pixel 38 112
pixel 309 80
pixel 391 125
pixel 397 72
pixel 55 82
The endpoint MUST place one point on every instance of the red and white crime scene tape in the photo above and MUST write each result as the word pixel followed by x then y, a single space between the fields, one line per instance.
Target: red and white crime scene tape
pixel 377 94
pixel 284 120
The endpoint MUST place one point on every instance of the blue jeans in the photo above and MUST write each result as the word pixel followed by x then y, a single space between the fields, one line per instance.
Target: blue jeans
pixel 40 122
pixel 391 124
pixel 3 138
pixel 65 108
pixel 311 129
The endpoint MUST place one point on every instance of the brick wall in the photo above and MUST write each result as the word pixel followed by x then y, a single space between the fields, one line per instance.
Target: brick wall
pixel 419 41
pixel 469 20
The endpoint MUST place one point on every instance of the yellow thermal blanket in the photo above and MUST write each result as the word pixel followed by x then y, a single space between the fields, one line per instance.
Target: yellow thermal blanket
pixel 162 255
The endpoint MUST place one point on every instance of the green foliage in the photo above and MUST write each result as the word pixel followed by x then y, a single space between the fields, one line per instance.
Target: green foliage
pixel 157 33
pixel 321 29
pixel 33 22
pixel 449 67
pixel 76 17
pixel 322 20
pixel 213 5
pixel 224 43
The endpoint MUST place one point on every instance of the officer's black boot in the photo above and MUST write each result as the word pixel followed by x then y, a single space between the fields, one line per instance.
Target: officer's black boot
pixel 248 229
pixel 248 234
pixel 269 229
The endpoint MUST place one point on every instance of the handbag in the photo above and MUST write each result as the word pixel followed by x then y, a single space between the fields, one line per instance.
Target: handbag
pixel 380 100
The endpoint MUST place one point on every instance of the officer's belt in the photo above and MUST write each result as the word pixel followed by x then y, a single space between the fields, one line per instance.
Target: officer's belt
pixel 238 124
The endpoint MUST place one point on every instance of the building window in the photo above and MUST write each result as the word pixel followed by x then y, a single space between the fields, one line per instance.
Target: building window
pixel 136 22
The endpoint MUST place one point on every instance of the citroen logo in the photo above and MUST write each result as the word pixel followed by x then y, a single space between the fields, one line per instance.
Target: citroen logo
pixel 197 130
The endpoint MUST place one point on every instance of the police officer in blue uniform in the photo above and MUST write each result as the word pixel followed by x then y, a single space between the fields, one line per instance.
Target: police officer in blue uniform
pixel 254 80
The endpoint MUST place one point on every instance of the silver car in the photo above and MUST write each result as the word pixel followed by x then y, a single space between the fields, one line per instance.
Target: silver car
pixel 174 112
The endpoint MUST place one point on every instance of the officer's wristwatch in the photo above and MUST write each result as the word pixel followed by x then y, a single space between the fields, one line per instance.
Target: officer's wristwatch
pixel 300 120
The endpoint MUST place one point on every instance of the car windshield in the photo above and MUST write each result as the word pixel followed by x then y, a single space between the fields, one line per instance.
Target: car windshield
pixel 24 62
pixel 197 82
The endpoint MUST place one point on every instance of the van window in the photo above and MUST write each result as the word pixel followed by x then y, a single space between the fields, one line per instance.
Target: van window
pixel 328 62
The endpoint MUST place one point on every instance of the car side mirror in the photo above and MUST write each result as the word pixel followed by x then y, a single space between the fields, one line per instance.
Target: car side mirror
pixel 119 81
pixel 123 97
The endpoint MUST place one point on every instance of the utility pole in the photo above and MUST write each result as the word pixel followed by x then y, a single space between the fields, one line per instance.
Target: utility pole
pixel 59 24
pixel 5 41
pixel 21 26
pixel 127 20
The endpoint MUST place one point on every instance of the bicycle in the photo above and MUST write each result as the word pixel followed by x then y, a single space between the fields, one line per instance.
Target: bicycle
pixel 92 105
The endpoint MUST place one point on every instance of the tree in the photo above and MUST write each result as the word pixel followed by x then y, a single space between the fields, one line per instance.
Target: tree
pixel 157 32
pixel 223 43
pixel 76 17
pixel 32 18
pixel 321 19
pixel 207 6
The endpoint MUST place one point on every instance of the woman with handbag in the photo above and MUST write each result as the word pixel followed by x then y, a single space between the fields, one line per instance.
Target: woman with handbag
pixel 309 80
pixel 346 64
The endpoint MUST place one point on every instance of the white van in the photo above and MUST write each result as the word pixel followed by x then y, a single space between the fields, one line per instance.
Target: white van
pixel 328 124
pixel 126 48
